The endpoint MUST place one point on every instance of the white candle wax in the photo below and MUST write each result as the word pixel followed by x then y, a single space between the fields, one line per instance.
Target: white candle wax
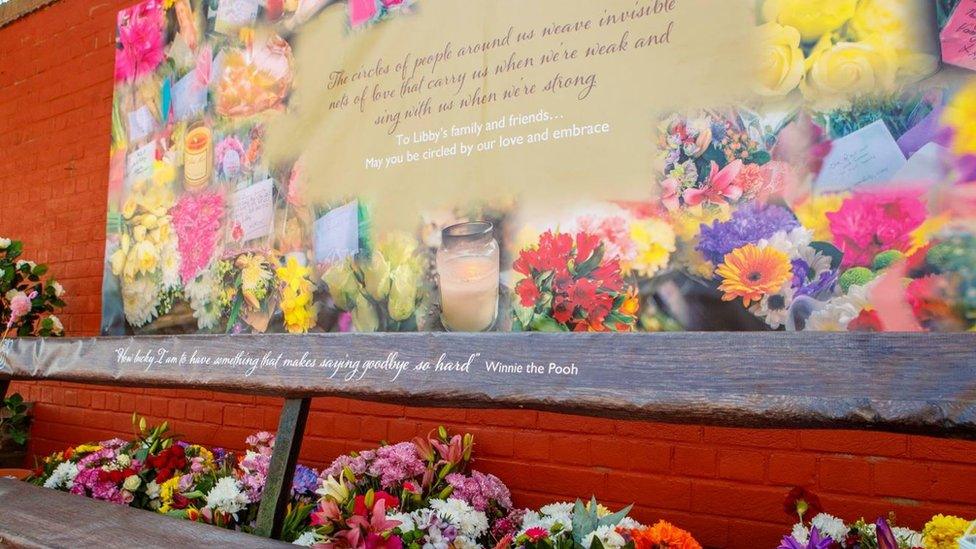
pixel 469 292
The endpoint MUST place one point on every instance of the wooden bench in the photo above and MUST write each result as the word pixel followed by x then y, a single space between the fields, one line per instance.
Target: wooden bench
pixel 914 383
pixel 38 517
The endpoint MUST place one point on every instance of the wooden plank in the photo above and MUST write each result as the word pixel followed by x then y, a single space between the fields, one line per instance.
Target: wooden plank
pixel 12 10
pixel 31 516
pixel 4 385
pixel 893 381
pixel 281 470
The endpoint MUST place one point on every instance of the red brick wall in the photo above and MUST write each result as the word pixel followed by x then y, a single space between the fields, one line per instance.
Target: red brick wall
pixel 726 485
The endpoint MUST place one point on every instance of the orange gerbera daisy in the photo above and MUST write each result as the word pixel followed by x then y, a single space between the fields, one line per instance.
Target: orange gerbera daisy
pixel 750 272
pixel 663 535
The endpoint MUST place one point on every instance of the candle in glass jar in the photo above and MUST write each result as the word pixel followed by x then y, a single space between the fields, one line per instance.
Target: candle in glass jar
pixel 469 291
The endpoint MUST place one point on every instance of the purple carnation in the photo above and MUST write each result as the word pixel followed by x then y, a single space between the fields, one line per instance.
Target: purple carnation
pixel 748 224
pixel 397 463
pixel 480 490
pixel 509 524
pixel 305 481
pixel 255 468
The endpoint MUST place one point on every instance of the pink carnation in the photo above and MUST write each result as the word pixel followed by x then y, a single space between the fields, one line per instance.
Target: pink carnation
pixel 614 232
pixel 20 305
pixel 868 223
pixel 196 220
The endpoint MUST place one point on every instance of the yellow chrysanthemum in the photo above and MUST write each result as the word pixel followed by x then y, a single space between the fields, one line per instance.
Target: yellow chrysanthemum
pixel 254 271
pixel 943 532
pixel 688 221
pixel 812 213
pixel 166 492
pixel 959 115
pixel 750 272
pixel 922 235
pixel 655 241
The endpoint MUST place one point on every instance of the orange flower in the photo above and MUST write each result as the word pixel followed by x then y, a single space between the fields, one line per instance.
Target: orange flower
pixel 663 535
pixel 750 272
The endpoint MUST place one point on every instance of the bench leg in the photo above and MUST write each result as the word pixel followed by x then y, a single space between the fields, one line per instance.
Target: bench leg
pixel 4 385
pixel 281 470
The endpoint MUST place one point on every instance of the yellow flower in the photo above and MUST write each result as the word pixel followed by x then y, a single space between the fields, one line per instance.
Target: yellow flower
pixel 943 532
pixel 254 271
pixel 163 173
pixel 750 272
pixel 146 257
pixel 398 248
pixel 813 18
pixel 87 448
pixel 364 317
pixel 166 492
pixel 899 25
pixel 812 213
pixel 688 221
pixel 845 70
pixel 334 489
pixel 342 284
pixel 129 207
pixel 781 61
pixel 959 115
pixel 296 296
pixel 923 234
pixel 118 262
pixel 403 293
pixel 376 276
pixel 655 242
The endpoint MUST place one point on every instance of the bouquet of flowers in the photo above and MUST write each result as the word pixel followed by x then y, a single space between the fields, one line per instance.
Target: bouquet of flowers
pixel 383 290
pixel 27 302
pixel 569 285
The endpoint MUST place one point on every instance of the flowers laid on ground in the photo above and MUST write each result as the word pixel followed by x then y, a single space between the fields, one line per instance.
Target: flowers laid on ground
pixel 416 494
pixel 27 298
pixel 818 530
pixel 569 285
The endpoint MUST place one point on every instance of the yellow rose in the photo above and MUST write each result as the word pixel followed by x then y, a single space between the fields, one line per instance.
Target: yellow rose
pixel 376 275
pixel 902 26
pixel 845 70
pixel 398 248
pixel 129 207
pixel 781 62
pixel 342 285
pixel 813 18
pixel 118 262
pixel 364 318
pixel 403 293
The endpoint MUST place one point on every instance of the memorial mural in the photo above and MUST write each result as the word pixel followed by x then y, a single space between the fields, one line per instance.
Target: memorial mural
pixel 495 165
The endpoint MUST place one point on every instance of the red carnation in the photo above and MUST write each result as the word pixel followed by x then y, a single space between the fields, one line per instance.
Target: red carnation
pixel 528 292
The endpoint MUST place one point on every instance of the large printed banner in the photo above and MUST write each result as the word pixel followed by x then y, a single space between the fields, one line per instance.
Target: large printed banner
pixel 511 165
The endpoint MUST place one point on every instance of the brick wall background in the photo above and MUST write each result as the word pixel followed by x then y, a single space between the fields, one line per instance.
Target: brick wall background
pixel 725 485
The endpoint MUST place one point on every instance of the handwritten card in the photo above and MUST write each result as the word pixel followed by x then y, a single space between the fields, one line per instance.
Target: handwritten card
pixel 189 97
pixel 928 165
pixel 139 164
pixel 253 211
pixel 336 234
pixel 141 123
pixel 866 157
pixel 959 36
pixel 233 14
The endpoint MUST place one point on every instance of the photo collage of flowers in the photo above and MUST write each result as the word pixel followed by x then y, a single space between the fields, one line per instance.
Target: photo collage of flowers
pixel 841 196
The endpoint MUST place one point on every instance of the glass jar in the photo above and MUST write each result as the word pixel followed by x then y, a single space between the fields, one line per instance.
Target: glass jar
pixel 468 265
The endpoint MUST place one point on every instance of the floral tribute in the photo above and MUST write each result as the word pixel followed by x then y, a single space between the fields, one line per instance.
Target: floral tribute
pixel 27 298
pixel 417 494
pixel 818 530
pixel 745 206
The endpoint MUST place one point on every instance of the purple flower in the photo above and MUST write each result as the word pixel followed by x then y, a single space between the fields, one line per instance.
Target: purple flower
pixel 748 224
pixel 816 541
pixel 886 538
pixel 255 467
pixel 305 481
pixel 807 282
pixel 396 463
pixel 480 490
pixel 508 525
pixel 358 463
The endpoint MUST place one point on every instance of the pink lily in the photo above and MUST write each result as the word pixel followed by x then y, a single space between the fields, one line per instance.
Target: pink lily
pixel 669 194
pixel 328 512
pixel 452 452
pixel 720 188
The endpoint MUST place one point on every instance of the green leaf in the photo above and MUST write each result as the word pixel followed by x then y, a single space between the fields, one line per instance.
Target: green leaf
pixel 592 262
pixel 760 157
pixel 829 250
pixel 14 250
pixel 614 518
pixel 40 270
pixel 541 323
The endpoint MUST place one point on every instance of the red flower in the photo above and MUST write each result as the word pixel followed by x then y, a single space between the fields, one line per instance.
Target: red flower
pixel 528 292
pixel 585 246
pixel 801 502
pixel 167 463
pixel 180 501
pixel 867 321
pixel 929 299
pixel 536 534
pixel 359 507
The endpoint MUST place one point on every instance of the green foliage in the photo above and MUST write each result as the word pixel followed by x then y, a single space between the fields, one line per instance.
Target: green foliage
pixel 14 421
pixel 899 113
pixel 18 276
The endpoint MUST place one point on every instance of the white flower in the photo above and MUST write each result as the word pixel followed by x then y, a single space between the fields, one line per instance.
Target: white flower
pixel 123 460
pixel 140 298
pixel 830 525
pixel 63 476
pixel 607 535
pixel 535 520
pixel 464 542
pixel 775 308
pixel 132 483
pixel 466 519
pixel 406 521
pixel 791 243
pixel 226 496
pixel 11 294
pixel 800 533
pixel 58 289
pixel 307 539
pixel 628 523
pixel 22 262
pixel 202 293
pixel 563 508
pixel 836 314
pixel 907 536
pixel 56 326
pixel 4 243
pixel 152 490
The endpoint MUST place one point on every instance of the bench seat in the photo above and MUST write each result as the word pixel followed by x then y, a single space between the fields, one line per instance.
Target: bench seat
pixel 31 516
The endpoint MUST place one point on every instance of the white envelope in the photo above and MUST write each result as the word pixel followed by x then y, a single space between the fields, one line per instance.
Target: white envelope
pixel 336 234
pixel 866 157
